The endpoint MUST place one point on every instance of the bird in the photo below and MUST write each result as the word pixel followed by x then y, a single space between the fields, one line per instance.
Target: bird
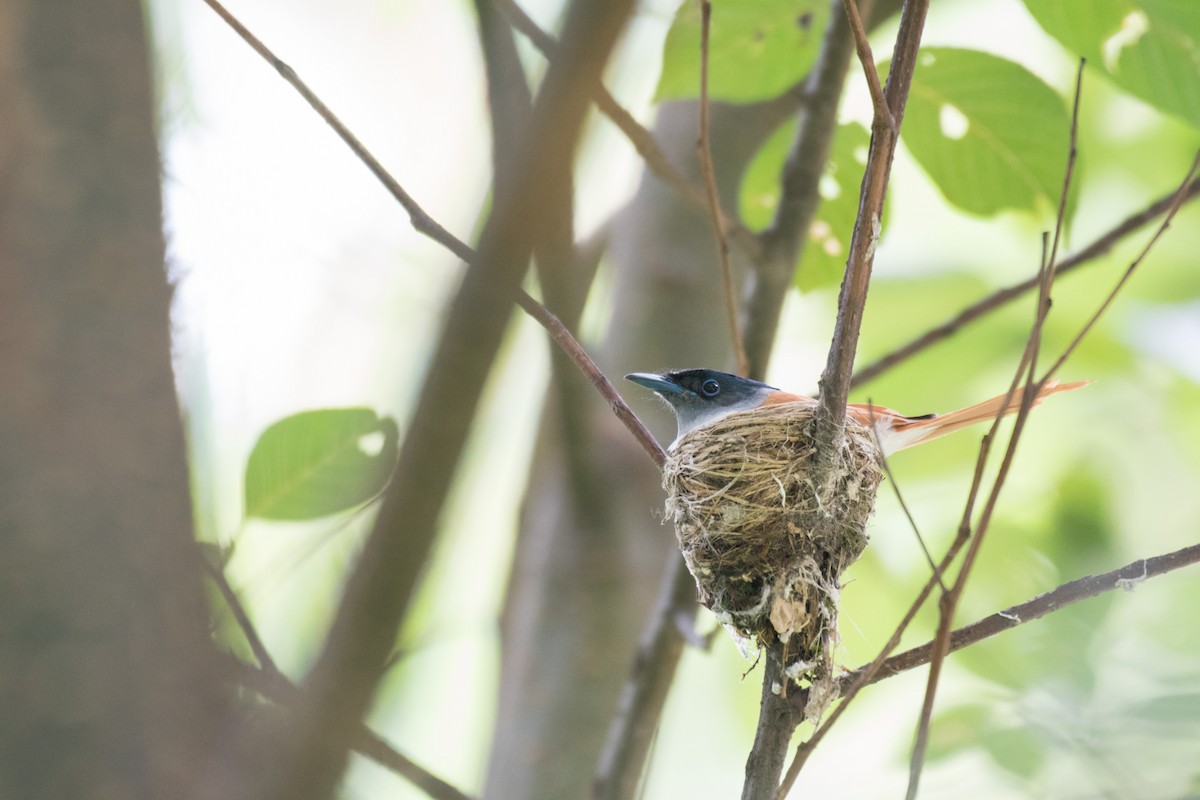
pixel 701 397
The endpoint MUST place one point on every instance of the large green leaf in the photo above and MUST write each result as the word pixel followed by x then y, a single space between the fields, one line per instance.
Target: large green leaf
pixel 756 48
pixel 824 258
pixel 990 134
pixel 320 462
pixel 1150 48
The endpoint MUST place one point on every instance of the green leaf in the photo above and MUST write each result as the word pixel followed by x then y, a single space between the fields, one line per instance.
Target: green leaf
pixel 990 134
pixel 757 49
pixel 823 259
pixel 320 462
pixel 1150 48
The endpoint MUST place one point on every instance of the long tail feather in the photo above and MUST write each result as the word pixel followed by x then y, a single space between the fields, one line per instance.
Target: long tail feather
pixel 908 431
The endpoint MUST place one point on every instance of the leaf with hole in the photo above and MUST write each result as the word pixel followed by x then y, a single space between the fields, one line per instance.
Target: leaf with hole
pixel 756 49
pixel 1150 48
pixel 988 132
pixel 320 462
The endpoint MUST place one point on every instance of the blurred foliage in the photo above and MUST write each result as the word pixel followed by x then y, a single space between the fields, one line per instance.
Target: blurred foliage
pixel 1097 699
pixel 824 257
pixel 757 49
pixel 1150 48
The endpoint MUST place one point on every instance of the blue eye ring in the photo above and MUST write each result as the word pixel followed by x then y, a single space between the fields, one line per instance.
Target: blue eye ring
pixel 710 388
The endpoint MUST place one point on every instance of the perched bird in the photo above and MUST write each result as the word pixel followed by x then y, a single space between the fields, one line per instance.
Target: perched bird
pixel 700 397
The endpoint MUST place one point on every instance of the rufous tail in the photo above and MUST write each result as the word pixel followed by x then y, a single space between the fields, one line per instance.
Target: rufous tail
pixel 906 432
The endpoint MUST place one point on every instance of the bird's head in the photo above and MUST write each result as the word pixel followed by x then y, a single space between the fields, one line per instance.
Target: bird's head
pixel 702 396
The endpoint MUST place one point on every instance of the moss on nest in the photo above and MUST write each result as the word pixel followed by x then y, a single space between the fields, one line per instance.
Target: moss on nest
pixel 766 545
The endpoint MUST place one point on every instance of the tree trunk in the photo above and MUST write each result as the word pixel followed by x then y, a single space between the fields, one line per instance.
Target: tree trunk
pixel 108 682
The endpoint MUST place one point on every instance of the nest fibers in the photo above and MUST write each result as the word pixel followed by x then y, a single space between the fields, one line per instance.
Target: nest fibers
pixel 766 545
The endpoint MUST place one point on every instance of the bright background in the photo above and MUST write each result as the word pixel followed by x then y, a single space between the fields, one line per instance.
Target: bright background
pixel 302 285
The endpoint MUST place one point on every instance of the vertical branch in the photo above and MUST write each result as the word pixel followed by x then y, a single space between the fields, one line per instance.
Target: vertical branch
pixel 777 721
pixel 835 381
pixel 704 149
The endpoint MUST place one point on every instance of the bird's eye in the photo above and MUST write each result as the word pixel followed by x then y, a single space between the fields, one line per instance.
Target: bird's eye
pixel 710 388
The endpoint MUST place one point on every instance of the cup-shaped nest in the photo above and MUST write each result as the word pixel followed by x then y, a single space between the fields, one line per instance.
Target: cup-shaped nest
pixel 765 535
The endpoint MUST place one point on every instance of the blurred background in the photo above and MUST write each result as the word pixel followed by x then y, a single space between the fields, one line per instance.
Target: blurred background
pixel 301 285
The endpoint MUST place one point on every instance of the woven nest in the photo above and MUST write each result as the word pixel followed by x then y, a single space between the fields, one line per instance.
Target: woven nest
pixel 766 545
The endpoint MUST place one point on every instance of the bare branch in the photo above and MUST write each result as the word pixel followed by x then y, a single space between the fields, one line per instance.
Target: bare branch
pixel 777 720
pixel 261 654
pixel 269 681
pixel 863 47
pixel 1127 578
pixel 1104 243
pixel 420 220
pixel 643 696
pixel 426 225
pixel 641 139
pixel 1024 372
pixel 835 381
pixel 704 150
pixel 1176 204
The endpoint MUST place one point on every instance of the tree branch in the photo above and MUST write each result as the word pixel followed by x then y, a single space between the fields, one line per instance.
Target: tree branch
pixel 1127 578
pixel 426 225
pixel 777 720
pixel 1176 204
pixel 799 198
pixel 644 694
pixel 1103 244
pixel 835 381
pixel 829 419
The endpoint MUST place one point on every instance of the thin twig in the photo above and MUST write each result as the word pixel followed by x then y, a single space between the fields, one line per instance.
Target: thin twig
pixel 865 57
pixel 1024 372
pixel 704 151
pixel 425 224
pixel 420 220
pixel 234 604
pixel 835 380
pixel 912 522
pixel 1180 195
pixel 1100 246
pixel 1127 578
pixel 850 689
